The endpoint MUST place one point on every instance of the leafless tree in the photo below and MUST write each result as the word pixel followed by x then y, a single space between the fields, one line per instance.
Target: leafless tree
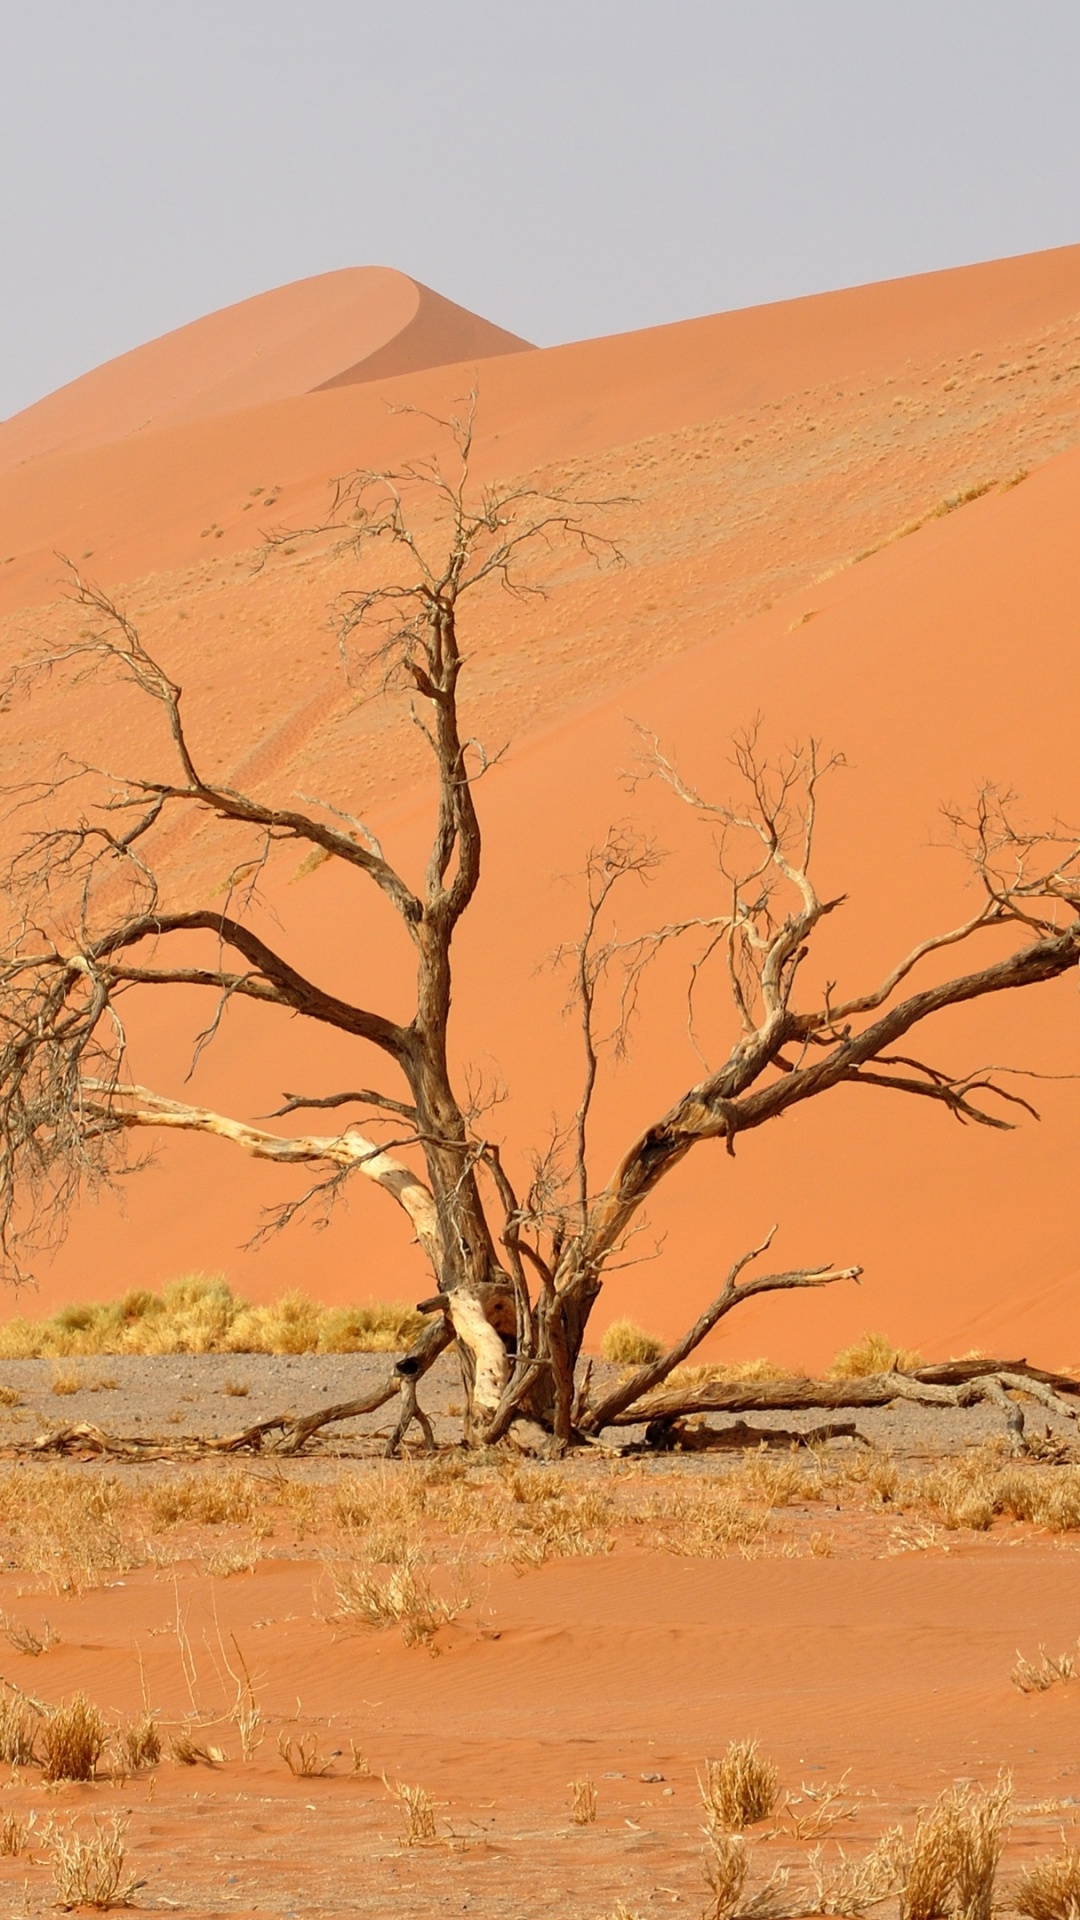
pixel 517 1274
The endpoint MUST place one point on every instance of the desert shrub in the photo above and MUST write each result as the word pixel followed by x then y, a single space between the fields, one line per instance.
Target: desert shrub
pixel 419 1811
pixel 740 1789
pixel 952 1859
pixel 626 1345
pixel 201 1314
pixel 1050 1890
pixel 72 1740
pixel 583 1802
pixel 14 1834
pixel 725 1867
pixel 844 1886
pixel 872 1353
pixel 204 1499
pixel 89 1871
pixel 19 1723
pixel 65 1525
pixel 140 1743
pixel 404 1599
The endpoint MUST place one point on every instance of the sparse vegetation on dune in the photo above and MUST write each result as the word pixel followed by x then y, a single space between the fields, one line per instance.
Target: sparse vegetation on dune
pixel 201 1314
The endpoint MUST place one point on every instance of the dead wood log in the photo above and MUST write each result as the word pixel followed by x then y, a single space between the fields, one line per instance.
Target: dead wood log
pixel 297 1430
pixel 675 1436
pixel 950 1384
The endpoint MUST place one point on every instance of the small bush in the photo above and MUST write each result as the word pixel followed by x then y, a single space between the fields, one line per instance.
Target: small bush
pixel 1050 1890
pixel 419 1811
pixel 626 1345
pixel 873 1354
pixel 740 1789
pixel 89 1872
pixel 19 1723
pixel 726 1867
pixel 140 1743
pixel 201 1314
pixel 302 1756
pixel 73 1738
pixel 583 1802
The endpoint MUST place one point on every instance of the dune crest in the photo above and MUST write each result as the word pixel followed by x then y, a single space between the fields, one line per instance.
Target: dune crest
pixel 334 329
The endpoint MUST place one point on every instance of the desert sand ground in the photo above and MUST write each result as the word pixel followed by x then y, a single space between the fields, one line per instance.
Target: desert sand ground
pixel 616 1620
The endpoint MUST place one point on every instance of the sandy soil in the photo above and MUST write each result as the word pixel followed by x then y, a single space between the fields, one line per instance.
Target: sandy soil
pixel 857 1645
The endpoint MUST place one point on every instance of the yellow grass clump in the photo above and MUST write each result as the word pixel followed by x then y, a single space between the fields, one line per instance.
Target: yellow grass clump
pixel 873 1354
pixel 72 1740
pixel 952 1859
pixel 627 1345
pixel 1050 1890
pixel 201 1314
pixel 740 1789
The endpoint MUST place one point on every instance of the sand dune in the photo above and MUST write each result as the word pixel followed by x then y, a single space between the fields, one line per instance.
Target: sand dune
pixel 336 329
pixel 941 659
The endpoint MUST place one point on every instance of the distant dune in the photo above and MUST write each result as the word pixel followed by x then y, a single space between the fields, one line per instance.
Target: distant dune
pixel 766 452
pixel 334 330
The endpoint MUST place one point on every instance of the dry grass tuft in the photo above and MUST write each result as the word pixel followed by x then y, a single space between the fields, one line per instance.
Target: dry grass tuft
pixel 302 1756
pixel 419 1811
pixel 236 1389
pixel 740 1789
pixel 843 1886
pixel 726 1866
pixel 1036 1679
pixel 19 1723
pixel 14 1834
pixel 89 1872
pixel 205 1499
pixel 188 1752
pixel 24 1639
pixel 627 1345
pixel 404 1599
pixel 140 1743
pixel 201 1314
pixel 582 1801
pixel 73 1738
pixel 873 1354
pixel 952 1859
pixel 1050 1890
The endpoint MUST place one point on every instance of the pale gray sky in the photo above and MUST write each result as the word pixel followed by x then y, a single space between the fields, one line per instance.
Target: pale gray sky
pixel 565 167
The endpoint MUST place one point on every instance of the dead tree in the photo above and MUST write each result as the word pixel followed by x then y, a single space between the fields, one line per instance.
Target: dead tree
pixel 517 1275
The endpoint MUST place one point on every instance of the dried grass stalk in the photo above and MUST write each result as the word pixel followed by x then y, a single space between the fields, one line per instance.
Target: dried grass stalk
pixel 726 1866
pixel 582 1801
pixel 1050 1890
pixel 89 1871
pixel 740 1789
pixel 73 1738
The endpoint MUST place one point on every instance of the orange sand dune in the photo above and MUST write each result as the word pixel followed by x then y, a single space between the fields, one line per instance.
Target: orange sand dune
pixel 148 502
pixel 334 330
pixel 942 659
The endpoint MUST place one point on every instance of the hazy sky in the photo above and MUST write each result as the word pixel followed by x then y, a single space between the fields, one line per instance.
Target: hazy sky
pixel 565 167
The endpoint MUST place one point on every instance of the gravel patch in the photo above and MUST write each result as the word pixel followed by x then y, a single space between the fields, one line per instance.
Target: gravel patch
pixel 209 1396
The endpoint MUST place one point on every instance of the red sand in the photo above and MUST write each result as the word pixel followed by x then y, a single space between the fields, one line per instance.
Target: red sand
pixel 613 1668
pixel 942 659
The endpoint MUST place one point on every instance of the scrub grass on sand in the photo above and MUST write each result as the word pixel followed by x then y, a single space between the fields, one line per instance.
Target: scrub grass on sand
pixel 201 1314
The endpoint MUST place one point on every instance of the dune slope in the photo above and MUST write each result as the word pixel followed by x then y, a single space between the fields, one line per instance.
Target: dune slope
pixel 943 658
